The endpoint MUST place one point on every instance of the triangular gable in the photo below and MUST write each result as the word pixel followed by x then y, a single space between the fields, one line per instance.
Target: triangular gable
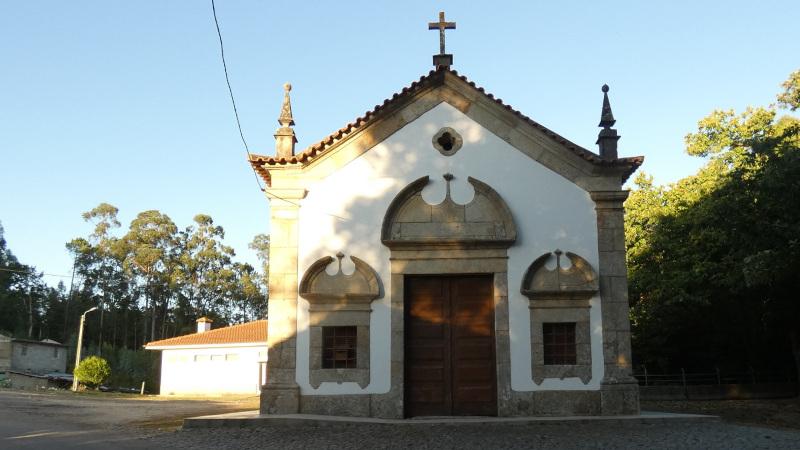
pixel 446 85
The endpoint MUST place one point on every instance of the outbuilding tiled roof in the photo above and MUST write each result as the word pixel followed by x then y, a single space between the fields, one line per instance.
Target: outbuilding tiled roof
pixel 433 77
pixel 246 333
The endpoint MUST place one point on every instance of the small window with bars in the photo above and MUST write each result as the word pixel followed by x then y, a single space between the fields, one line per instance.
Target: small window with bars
pixel 559 343
pixel 339 347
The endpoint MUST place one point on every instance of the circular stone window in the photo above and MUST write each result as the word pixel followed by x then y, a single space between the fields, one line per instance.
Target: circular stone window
pixel 447 141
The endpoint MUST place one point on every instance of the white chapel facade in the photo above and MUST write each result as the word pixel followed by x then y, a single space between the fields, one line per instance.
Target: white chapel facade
pixel 446 255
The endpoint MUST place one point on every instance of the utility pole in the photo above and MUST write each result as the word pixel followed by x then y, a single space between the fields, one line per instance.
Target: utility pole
pixel 78 350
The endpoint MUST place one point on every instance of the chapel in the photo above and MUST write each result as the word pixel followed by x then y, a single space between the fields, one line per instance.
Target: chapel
pixel 446 255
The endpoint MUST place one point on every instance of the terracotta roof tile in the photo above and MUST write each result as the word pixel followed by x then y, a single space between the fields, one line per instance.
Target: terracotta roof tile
pixel 245 333
pixel 260 161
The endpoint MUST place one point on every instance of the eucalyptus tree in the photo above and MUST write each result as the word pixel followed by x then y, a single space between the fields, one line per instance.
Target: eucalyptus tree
pixel 104 218
pixel 249 295
pixel 148 251
pixel 203 266
pixel 260 244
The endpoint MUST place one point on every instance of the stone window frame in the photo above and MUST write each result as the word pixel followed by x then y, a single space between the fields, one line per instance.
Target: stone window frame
pixel 339 300
pixel 555 311
pixel 560 296
pixel 457 141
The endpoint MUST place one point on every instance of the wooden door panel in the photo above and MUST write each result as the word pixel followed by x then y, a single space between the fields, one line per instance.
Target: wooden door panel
pixel 427 351
pixel 474 350
pixel 449 338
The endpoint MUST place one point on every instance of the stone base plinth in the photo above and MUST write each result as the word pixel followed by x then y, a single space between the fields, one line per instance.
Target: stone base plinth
pixel 619 398
pixel 280 399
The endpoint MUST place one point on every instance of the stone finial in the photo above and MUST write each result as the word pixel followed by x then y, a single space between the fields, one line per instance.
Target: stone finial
pixel 606 116
pixel 284 136
pixel 448 177
pixel 339 256
pixel 608 137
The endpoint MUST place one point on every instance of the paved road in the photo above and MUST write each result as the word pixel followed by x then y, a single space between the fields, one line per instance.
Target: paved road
pixel 46 421
pixel 28 421
pixel 64 420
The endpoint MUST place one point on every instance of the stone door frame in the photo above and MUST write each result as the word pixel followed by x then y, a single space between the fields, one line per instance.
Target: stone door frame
pixel 424 260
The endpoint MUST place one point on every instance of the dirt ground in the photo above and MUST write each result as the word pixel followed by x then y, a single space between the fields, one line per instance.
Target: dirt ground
pixel 772 413
pixel 107 409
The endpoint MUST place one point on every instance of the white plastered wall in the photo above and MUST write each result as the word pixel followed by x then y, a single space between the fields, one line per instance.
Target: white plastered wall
pixel 344 212
pixel 211 370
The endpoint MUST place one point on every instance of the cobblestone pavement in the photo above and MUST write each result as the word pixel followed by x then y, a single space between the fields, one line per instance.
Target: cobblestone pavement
pixel 69 421
pixel 593 435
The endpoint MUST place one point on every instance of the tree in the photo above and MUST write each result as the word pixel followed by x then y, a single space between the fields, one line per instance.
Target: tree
pixel 93 371
pixel 260 244
pixel 147 251
pixel 203 266
pixel 790 97
pixel 104 216
pixel 23 295
pixel 712 258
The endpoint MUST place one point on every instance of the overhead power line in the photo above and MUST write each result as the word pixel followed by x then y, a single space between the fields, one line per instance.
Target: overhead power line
pixel 236 114
pixel 230 91
pixel 34 273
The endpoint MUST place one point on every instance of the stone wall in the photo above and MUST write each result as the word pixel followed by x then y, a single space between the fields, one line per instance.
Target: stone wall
pixel 5 353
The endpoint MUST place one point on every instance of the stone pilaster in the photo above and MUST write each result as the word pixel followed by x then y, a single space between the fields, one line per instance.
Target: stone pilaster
pixel 619 389
pixel 281 394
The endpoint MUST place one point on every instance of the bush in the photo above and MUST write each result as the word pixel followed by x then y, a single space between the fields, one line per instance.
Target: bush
pixel 92 371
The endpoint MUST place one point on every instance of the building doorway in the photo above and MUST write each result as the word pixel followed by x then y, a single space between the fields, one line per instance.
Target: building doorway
pixel 450 367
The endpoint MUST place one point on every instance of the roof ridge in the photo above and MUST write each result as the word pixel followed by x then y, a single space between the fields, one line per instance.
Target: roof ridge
pixel 313 150
pixel 231 331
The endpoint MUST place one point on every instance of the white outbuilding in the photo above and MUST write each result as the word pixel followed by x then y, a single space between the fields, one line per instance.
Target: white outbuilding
pixel 230 360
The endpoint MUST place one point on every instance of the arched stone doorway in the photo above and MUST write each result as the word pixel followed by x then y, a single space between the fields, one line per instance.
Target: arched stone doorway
pixel 448 261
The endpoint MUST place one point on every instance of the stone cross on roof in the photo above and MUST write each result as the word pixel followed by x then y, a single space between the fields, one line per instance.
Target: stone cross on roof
pixel 442 59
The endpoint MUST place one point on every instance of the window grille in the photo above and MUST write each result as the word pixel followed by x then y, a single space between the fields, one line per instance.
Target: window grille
pixel 339 347
pixel 559 343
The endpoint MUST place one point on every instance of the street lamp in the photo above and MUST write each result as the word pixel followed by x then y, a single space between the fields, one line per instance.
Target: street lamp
pixel 78 350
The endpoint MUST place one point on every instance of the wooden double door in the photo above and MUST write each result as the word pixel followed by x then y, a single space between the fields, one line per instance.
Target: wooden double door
pixel 449 346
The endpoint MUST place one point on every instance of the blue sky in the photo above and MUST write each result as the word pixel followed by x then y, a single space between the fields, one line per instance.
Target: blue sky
pixel 125 102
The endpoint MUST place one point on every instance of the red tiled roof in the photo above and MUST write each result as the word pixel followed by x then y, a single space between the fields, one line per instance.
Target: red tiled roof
pixel 251 332
pixel 313 151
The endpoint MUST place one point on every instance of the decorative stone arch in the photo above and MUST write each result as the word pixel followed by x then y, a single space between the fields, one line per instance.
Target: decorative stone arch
pixel 448 239
pixel 561 295
pixel 410 221
pixel 339 300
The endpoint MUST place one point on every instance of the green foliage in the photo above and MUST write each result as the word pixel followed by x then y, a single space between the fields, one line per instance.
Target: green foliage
pixel 151 280
pixel 23 295
pixel 130 367
pixel 790 97
pixel 93 371
pixel 712 258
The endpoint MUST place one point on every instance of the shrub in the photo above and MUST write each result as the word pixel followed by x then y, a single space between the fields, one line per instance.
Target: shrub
pixel 92 371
